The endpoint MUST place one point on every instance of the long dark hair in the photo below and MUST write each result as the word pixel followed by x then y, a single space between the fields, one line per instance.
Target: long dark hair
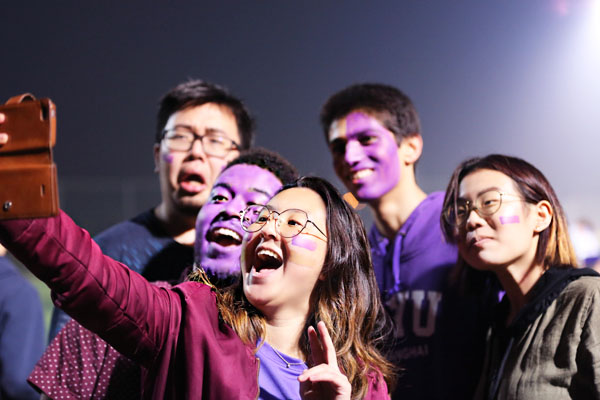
pixel 347 300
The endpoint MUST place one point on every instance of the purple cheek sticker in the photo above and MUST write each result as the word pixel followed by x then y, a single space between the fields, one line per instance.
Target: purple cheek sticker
pixel 513 219
pixel 168 158
pixel 304 242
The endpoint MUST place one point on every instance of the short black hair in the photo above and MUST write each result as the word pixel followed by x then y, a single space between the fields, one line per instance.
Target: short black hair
pixel 269 160
pixel 390 106
pixel 196 93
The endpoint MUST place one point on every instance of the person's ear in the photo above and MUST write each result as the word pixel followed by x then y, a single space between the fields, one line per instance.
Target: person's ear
pixel 156 155
pixel 543 215
pixel 410 149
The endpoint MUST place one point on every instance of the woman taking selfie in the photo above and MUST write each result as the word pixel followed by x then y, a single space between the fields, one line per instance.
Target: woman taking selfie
pixel 303 322
pixel 544 340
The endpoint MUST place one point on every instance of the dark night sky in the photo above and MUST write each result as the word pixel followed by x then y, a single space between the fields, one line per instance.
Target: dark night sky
pixel 510 76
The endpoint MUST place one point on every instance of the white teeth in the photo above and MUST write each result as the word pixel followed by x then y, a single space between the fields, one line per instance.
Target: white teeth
pixel 228 232
pixel 269 253
pixel 361 174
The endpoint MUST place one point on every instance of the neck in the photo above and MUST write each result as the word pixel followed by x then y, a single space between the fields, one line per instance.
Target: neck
pixel 517 281
pixel 178 225
pixel 393 208
pixel 284 334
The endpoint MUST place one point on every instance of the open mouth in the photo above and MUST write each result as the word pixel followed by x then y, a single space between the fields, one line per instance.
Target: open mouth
pixel 191 182
pixel 356 176
pixel 224 237
pixel 267 259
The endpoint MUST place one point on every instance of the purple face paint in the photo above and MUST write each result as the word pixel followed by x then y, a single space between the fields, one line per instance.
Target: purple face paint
pixel 218 230
pixel 367 162
pixel 304 242
pixel 168 158
pixel 512 219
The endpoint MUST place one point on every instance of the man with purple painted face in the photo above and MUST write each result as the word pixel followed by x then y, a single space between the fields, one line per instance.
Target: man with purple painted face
pixel 252 178
pixel 374 136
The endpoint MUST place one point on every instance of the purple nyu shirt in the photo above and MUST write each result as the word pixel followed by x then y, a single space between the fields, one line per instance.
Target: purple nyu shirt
pixel 412 274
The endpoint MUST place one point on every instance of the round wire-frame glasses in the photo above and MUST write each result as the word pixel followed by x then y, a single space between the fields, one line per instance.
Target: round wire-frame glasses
pixel 288 223
pixel 486 204
pixel 213 143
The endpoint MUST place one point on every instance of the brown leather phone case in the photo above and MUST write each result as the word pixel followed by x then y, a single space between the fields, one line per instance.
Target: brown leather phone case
pixel 28 183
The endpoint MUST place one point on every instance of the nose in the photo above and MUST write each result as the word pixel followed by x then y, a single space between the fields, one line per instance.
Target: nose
pixel 197 151
pixel 354 152
pixel 269 229
pixel 236 206
pixel 474 220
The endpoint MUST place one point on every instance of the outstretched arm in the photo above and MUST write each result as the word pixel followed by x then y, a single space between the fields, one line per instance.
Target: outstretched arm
pixel 104 296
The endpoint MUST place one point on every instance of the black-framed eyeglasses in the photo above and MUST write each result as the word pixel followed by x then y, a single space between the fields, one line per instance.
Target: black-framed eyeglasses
pixel 213 143
pixel 485 205
pixel 288 223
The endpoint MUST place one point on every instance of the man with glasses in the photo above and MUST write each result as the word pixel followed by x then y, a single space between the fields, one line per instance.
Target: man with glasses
pixel 200 128
pixel 374 136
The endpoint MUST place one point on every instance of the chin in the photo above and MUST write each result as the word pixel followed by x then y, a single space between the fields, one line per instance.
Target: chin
pixel 190 206
pixel 371 191
pixel 256 301
pixel 216 267
pixel 482 264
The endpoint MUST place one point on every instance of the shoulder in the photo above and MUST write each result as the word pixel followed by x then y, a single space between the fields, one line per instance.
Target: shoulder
pixel 8 271
pixel 424 227
pixel 135 242
pixel 580 299
pixel 585 287
pixel 433 203
pixel 141 223
pixel 428 210
pixel 192 291
pixel 584 292
pixel 13 283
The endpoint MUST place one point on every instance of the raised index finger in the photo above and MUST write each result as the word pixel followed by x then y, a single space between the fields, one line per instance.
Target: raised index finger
pixel 327 345
pixel 316 352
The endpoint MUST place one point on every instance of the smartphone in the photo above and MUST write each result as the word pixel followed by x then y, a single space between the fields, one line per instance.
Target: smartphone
pixel 28 179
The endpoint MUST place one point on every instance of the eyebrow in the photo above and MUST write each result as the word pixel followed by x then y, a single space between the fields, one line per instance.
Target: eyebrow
pixel 223 185
pixel 230 189
pixel 484 190
pixel 189 127
pixel 365 131
pixel 194 130
pixel 254 189
pixel 215 130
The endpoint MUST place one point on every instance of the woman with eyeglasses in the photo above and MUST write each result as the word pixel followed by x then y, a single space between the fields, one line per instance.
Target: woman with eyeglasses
pixel 544 340
pixel 304 321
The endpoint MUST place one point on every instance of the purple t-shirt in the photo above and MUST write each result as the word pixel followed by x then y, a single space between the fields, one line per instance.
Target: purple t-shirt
pixel 412 274
pixel 275 379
